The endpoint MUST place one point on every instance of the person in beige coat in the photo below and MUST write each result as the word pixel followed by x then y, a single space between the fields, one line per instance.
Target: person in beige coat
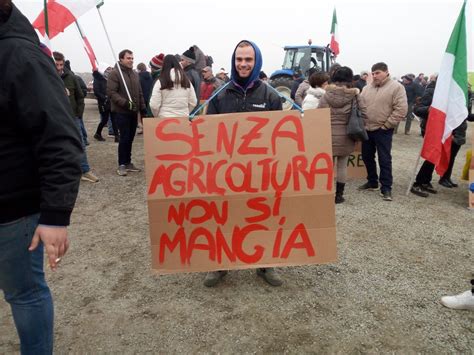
pixel 173 94
pixel 339 97
pixel 386 101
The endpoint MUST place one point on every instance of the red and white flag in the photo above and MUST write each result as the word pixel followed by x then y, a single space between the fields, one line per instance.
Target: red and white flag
pixel 61 14
pixel 449 107
pixel 334 34
pixel 87 47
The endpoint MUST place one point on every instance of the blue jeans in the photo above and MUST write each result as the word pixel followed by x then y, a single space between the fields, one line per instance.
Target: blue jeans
pixel 24 286
pixel 380 142
pixel 84 132
pixel 127 126
pixel 84 162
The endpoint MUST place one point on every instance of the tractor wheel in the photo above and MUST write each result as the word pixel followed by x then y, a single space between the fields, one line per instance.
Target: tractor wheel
pixel 283 85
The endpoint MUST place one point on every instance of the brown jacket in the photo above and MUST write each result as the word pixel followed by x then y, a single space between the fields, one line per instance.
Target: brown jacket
pixel 386 104
pixel 117 93
pixel 339 100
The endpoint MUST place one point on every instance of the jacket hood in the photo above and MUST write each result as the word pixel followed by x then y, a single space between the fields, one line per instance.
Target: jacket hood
pixel 246 82
pixel 316 92
pixel 339 96
pixel 18 26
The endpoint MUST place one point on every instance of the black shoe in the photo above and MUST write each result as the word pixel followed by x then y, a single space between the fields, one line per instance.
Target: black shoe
pixel 340 192
pixel 452 183
pixel 428 188
pixel 386 195
pixel 417 190
pixel 368 187
pixel 99 137
pixel 117 139
pixel 445 183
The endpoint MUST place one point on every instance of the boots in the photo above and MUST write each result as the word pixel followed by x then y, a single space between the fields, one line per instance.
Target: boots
pixel 340 192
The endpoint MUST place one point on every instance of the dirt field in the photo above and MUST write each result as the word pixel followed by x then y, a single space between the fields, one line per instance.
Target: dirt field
pixel 395 261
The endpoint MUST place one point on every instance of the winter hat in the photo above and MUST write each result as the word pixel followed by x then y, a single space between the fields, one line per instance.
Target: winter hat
pixel 189 55
pixel 157 61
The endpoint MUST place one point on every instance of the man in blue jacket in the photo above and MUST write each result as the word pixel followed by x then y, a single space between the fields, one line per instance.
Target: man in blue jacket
pixel 40 152
pixel 245 93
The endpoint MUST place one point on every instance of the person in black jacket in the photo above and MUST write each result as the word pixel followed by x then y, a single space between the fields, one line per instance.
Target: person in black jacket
pixel 40 152
pixel 100 92
pixel 187 61
pixel 245 93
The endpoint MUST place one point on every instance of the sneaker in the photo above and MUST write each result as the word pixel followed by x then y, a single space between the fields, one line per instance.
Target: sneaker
pixel 386 195
pixel 464 300
pixel 90 177
pixel 111 135
pixel 132 168
pixel 270 276
pixel 122 171
pixel 140 129
pixel 98 137
pixel 428 188
pixel 212 278
pixel 417 190
pixel 368 187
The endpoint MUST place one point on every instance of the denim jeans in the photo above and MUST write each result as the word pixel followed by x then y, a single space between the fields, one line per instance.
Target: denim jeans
pixel 24 286
pixel 84 162
pixel 380 142
pixel 127 126
pixel 84 132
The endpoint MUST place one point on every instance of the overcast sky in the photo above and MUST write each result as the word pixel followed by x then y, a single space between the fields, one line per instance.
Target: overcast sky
pixel 409 35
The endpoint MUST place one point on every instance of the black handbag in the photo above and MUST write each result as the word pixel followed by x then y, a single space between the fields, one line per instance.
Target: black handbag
pixel 355 127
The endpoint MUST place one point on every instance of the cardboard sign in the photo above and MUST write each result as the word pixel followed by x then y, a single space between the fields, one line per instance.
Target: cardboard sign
pixel 355 165
pixel 240 191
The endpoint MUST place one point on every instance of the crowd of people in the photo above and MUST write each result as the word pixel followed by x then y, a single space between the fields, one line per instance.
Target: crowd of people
pixel 43 144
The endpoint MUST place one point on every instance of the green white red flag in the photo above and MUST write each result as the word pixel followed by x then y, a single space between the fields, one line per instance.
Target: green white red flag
pixel 449 107
pixel 334 34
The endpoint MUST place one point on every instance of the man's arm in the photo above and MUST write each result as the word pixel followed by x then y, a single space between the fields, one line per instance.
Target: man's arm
pixel 113 86
pixel 399 107
pixel 79 98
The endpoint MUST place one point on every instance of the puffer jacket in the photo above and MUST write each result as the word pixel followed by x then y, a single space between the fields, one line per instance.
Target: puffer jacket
pixel 339 100
pixel 312 98
pixel 118 95
pixel 178 102
pixel 386 104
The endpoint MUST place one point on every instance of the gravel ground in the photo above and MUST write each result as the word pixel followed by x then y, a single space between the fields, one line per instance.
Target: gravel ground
pixel 395 261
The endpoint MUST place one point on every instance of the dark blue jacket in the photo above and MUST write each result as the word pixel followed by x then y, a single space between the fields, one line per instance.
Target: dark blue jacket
pixel 146 82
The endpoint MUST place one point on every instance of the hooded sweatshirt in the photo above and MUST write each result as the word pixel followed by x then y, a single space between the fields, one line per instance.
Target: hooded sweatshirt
pixel 245 94
pixel 40 148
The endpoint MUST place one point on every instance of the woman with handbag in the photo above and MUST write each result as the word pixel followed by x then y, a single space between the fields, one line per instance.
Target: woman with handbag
pixel 339 97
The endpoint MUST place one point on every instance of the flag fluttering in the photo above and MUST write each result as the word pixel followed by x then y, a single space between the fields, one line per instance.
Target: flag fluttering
pixel 87 47
pixel 334 34
pixel 449 107
pixel 61 14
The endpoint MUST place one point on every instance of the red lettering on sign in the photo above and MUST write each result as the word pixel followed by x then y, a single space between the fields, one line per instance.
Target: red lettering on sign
pixel 221 244
pixel 209 246
pixel 246 174
pixel 238 239
pixel 299 230
pixel 258 204
pixel 211 178
pixel 253 134
pixel 179 239
pixel 223 138
pixel 194 177
pixel 327 170
pixel 297 135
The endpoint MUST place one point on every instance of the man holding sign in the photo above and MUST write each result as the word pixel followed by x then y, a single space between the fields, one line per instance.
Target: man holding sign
pixel 245 93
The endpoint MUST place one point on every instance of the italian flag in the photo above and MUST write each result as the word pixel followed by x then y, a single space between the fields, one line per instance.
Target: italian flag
pixel 61 14
pixel 449 107
pixel 334 35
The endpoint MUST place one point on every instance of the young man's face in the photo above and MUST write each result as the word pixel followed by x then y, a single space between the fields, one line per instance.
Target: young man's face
pixel 379 75
pixel 127 60
pixel 206 74
pixel 59 66
pixel 244 61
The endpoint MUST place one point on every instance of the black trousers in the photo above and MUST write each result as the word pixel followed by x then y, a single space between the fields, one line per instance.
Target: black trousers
pixel 127 126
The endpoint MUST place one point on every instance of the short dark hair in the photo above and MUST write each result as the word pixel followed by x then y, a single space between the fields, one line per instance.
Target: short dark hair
pixel 379 66
pixel 318 79
pixel 58 56
pixel 342 75
pixel 5 10
pixel 124 52
pixel 141 67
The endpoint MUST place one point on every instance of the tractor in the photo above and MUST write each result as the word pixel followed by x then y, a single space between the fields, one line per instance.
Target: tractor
pixel 300 60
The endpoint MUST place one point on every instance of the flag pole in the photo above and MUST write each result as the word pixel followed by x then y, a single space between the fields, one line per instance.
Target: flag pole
pixel 46 25
pixel 412 179
pixel 113 53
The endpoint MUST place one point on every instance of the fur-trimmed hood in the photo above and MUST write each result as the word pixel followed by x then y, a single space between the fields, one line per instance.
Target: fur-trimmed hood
pixel 339 96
